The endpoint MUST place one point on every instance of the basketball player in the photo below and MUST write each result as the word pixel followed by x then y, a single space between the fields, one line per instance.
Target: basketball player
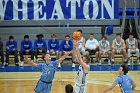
pixel 82 43
pixel 80 83
pixel 126 84
pixel 132 47
pixel 48 70
pixel 118 46
pixel 104 48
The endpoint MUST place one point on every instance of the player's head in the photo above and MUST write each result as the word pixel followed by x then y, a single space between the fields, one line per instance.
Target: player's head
pixel 91 36
pixel 11 38
pixel 118 36
pixel 26 38
pixel 86 59
pixel 67 37
pixel 104 38
pixel 46 57
pixel 131 35
pixel 53 36
pixel 69 88
pixel 40 36
pixel 123 70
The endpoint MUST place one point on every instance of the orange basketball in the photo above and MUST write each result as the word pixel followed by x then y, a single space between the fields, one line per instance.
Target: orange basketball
pixel 76 35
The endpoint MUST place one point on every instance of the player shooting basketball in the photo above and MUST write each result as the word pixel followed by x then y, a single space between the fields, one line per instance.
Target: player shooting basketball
pixel 80 84
pixel 48 70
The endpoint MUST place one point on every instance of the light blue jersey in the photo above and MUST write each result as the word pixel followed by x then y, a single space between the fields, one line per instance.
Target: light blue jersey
pixel 125 83
pixel 45 82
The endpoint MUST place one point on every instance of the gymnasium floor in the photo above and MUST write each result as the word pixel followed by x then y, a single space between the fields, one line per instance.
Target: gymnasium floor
pixel 23 79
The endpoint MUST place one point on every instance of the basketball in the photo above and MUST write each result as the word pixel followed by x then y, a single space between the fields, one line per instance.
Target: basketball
pixel 76 35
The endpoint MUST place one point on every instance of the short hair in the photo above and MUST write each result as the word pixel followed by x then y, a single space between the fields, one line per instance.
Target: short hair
pixel 125 69
pixel 53 35
pixel 67 36
pixel 26 36
pixel 80 31
pixel 69 88
pixel 118 34
pixel 11 37
pixel 131 33
pixel 104 37
pixel 91 33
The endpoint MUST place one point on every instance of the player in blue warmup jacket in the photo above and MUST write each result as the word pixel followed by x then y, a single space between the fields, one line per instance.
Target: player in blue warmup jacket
pixel 53 45
pixel 40 45
pixel 11 48
pixel 26 48
pixel 48 70
pixel 126 84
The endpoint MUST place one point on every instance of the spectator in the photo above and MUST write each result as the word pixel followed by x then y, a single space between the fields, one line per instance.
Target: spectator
pixel 1 53
pixel 104 48
pixel 132 47
pixel 53 46
pixel 66 46
pixel 69 88
pixel 118 46
pixel 40 45
pixel 11 49
pixel 92 46
pixel 26 48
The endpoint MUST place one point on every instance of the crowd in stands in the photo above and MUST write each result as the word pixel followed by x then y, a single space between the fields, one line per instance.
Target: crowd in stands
pixel 89 47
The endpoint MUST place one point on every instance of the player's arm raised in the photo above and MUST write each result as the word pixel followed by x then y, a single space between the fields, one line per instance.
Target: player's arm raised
pixel 109 88
pixel 63 57
pixel 29 61
pixel 79 57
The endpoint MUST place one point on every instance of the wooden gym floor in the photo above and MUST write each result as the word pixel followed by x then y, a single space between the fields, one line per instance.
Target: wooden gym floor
pixel 24 82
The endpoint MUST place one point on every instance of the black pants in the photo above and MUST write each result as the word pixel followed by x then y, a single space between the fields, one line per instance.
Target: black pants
pixel 37 52
pixel 2 57
pixel 15 53
pixel 25 53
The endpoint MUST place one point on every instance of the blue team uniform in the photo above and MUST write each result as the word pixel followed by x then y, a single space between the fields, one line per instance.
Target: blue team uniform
pixel 11 45
pixel 53 45
pixel 45 82
pixel 40 44
pixel 65 47
pixel 26 45
pixel 125 83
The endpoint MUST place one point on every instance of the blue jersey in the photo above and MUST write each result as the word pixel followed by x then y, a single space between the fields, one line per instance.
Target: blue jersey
pixel 11 45
pixel 40 44
pixel 53 45
pixel 26 45
pixel 65 47
pixel 48 71
pixel 125 83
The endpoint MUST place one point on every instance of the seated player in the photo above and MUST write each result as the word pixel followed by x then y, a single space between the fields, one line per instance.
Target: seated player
pixel 104 48
pixel 66 46
pixel 53 46
pixel 69 88
pixel 26 48
pixel 92 46
pixel 11 49
pixel 125 82
pixel 118 47
pixel 40 45
pixel 132 47
pixel 1 53
pixel 82 43
pixel 48 69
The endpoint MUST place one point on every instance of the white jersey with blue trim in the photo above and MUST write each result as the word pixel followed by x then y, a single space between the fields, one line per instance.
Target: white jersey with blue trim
pixel 118 45
pixel 131 43
pixel 81 76
pixel 104 45
pixel 80 42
